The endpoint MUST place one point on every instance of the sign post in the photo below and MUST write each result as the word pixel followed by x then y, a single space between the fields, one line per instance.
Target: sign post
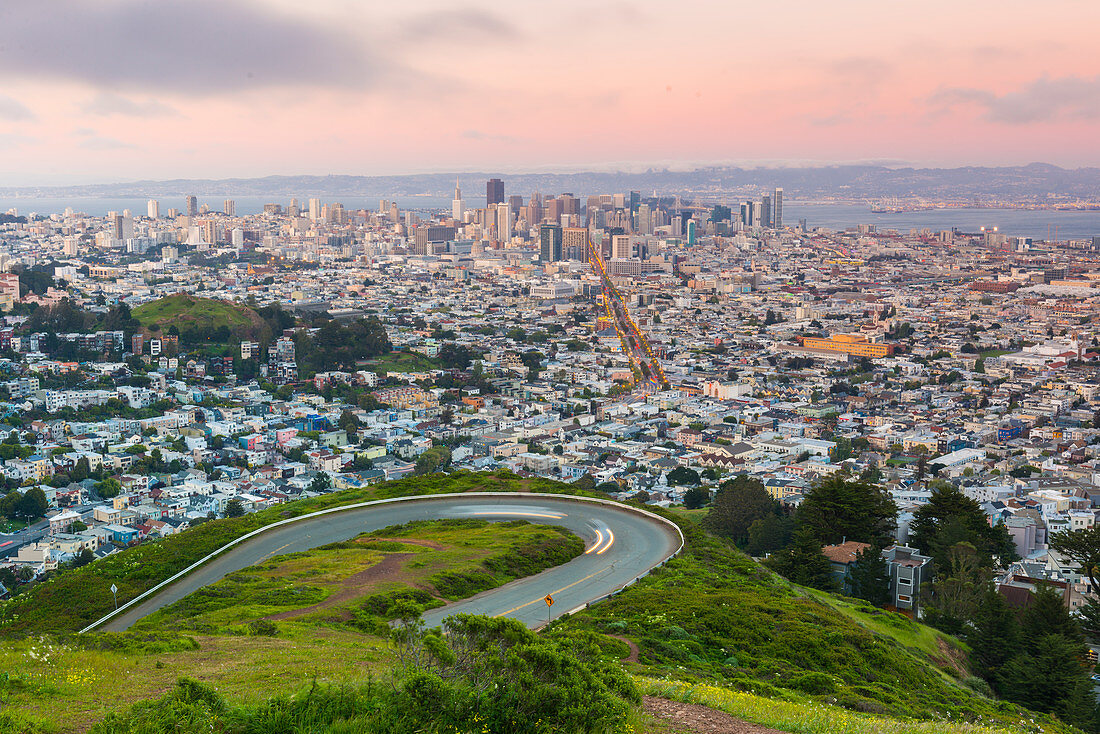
pixel 549 603
pixel 114 593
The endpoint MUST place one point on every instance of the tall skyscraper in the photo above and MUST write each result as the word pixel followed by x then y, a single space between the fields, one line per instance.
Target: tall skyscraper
pixel 230 208
pixel 574 243
pixel 315 209
pixel 458 206
pixel 777 209
pixel 191 206
pixel 766 211
pixel 293 210
pixel 494 191
pixel 504 221
pixel 550 243
pixel 153 209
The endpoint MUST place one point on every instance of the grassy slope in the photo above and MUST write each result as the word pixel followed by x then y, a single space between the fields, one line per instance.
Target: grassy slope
pixel 183 310
pixel 708 626
pixel 403 362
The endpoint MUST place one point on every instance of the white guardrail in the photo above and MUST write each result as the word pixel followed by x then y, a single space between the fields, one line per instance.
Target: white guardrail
pixel 418 498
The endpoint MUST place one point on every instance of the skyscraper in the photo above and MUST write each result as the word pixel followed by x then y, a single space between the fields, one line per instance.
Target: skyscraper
pixel 494 191
pixel 315 209
pixel 230 208
pixel 766 211
pixel 458 206
pixel 777 209
pixel 621 247
pixel 153 209
pixel 550 243
pixel 191 206
pixel 504 221
pixel 574 243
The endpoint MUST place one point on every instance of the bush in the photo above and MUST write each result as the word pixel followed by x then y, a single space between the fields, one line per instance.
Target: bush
pixel 262 628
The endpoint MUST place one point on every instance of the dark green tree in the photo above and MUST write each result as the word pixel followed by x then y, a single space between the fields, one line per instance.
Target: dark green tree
pixel 234 508
pixel 804 563
pixel 949 518
pixel 994 638
pixel 738 503
pixel 769 534
pixel 837 509
pixel 682 476
pixel 696 497
pixel 869 577
pixel 951 601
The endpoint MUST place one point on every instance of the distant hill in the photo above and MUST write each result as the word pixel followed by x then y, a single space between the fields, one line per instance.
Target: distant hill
pixel 200 320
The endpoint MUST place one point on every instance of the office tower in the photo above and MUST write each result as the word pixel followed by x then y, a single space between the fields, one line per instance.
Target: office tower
pixel 383 206
pixel 777 209
pixel 635 199
pixel 766 211
pixel 314 209
pixel 395 215
pixel 621 248
pixel 191 206
pixel 802 225
pixel 152 208
pixel 114 222
pixel 237 237
pixel 504 221
pixel 515 203
pixel 677 225
pixel 494 191
pixel 230 208
pixel 691 231
pixel 293 210
pixel 574 243
pixel 458 206
pixel 645 220
pixel 748 213
pixel 550 243
pixel 209 231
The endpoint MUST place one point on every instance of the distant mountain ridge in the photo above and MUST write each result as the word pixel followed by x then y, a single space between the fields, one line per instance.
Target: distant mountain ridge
pixel 847 181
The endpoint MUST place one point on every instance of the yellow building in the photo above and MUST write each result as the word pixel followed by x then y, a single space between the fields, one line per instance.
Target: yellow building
pixel 856 345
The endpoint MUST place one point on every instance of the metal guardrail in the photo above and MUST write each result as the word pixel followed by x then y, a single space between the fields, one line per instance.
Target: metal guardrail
pixel 373 503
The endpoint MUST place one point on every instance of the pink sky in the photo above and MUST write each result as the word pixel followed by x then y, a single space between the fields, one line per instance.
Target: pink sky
pixel 108 90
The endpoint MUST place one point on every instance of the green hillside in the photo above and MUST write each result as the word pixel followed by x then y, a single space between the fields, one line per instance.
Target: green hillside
pixel 712 628
pixel 200 319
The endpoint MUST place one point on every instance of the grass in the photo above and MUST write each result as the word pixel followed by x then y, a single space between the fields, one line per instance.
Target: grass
pixel 334 584
pixel 986 353
pixel 62 686
pixel 403 362
pixel 807 717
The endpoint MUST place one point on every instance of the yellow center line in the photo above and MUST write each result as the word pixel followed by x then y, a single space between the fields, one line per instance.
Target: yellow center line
pixel 552 593
pixel 269 555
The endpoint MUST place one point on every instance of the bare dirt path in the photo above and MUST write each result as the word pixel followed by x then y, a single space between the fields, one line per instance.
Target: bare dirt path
pixel 689 718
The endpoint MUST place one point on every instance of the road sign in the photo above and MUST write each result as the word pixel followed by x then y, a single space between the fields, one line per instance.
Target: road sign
pixel 114 589
pixel 114 593
pixel 549 600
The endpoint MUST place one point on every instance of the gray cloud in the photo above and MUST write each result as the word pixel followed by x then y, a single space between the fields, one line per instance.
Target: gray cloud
pixel 109 103
pixel 459 25
pixel 14 110
pixel 1042 100
pixel 190 46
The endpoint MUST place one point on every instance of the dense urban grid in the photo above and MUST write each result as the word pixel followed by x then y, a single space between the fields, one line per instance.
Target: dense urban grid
pixel 895 414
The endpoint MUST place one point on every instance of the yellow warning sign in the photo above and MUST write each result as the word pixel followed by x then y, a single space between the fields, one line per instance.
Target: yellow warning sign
pixel 549 600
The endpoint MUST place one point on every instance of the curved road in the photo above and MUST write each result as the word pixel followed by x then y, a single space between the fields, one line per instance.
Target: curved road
pixel 621 545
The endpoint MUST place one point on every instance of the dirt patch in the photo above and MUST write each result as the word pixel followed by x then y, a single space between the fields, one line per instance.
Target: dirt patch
pixel 950 657
pixel 633 656
pixel 356 585
pixel 690 718
pixel 411 541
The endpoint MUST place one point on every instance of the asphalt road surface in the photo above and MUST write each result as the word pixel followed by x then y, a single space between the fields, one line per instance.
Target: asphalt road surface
pixel 620 546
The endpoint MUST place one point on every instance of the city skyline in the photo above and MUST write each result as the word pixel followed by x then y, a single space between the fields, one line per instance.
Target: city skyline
pixel 257 88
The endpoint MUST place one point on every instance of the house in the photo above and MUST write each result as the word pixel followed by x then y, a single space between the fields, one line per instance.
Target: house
pixel 909 570
pixel 842 557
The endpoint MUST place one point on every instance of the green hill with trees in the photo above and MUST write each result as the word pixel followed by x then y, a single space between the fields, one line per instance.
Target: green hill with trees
pixel 201 320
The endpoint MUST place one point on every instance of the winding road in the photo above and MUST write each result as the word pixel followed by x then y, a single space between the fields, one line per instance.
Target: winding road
pixel 622 544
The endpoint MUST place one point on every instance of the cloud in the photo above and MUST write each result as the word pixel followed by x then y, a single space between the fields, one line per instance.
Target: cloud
pixel 14 110
pixel 491 137
pixel 99 142
pixel 1042 100
pixel 109 103
pixel 459 25
pixel 192 46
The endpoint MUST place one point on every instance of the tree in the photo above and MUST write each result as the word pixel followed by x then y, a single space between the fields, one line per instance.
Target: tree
pixel 837 509
pixel 804 563
pixel 433 460
pixel 321 482
pixel 585 482
pixel 738 503
pixel 1083 548
pixel 952 600
pixel 348 422
pixel 769 534
pixel 683 476
pixel 83 558
pixel 696 497
pixel 949 518
pixel 234 508
pixel 994 638
pixel 870 577
pixel 34 503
